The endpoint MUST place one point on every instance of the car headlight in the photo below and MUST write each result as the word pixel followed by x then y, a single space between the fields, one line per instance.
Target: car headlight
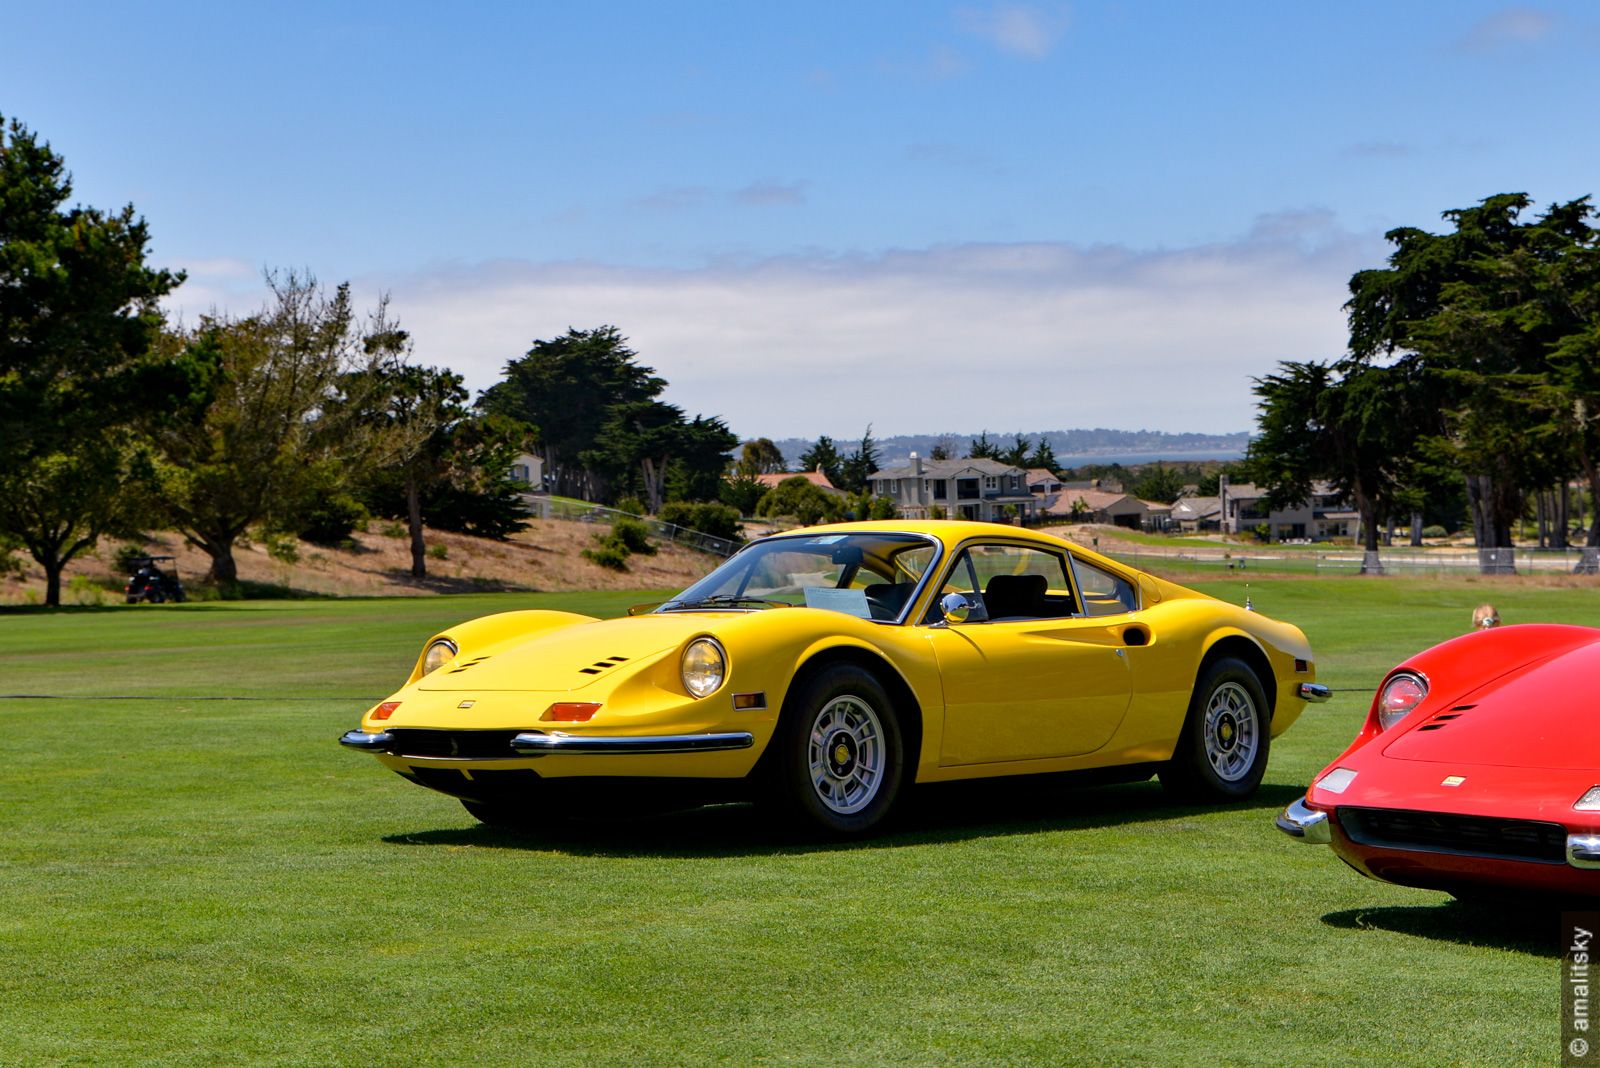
pixel 438 655
pixel 1400 695
pixel 704 667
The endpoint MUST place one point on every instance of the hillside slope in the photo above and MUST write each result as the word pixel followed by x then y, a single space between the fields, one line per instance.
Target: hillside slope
pixel 544 557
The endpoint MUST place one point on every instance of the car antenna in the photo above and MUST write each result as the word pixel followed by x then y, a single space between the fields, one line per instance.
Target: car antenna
pixel 1248 607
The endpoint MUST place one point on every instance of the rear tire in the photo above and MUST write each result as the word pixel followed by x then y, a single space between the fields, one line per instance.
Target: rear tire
pixel 836 763
pixel 1222 753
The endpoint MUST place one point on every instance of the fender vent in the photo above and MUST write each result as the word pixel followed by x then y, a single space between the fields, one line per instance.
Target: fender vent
pixel 1443 719
pixel 601 665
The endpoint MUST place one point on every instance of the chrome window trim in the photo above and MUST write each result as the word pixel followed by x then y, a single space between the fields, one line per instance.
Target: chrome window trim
pixel 916 594
pixel 960 549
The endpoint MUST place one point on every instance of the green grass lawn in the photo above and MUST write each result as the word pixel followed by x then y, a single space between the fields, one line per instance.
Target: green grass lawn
pixel 201 882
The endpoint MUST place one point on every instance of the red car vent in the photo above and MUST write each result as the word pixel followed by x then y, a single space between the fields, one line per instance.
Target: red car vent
pixel 1442 720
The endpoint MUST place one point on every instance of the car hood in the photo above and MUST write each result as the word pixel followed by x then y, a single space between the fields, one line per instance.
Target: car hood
pixel 571 658
pixel 1541 715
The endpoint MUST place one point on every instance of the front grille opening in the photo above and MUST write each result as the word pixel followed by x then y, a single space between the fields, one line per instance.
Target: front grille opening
pixel 479 745
pixel 1444 832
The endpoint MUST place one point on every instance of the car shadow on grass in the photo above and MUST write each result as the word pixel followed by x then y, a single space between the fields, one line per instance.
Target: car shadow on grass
pixel 1533 928
pixel 945 812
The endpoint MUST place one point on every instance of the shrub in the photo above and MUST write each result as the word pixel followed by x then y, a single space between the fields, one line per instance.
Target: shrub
pixel 394 530
pixel 83 590
pixel 632 505
pixel 127 555
pixel 633 536
pixel 439 552
pixel 799 498
pixel 1435 532
pixel 281 546
pixel 883 508
pixel 708 517
pixel 936 512
pixel 613 557
pixel 330 519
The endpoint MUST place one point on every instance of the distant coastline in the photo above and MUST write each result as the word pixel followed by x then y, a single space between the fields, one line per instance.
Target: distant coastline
pixel 1073 448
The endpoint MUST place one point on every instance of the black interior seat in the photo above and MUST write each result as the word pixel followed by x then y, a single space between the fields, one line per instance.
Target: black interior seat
pixel 1015 596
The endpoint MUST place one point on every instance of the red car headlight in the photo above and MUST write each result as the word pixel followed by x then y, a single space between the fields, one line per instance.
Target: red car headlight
pixel 1400 695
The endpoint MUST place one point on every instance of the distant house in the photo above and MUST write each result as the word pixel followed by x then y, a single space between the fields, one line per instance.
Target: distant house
pixel 1327 514
pixel 1043 482
pixel 1101 506
pixel 528 469
pixel 1197 515
pixel 816 478
pixel 980 489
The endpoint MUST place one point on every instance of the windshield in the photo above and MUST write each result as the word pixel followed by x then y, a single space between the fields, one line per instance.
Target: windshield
pixel 871 575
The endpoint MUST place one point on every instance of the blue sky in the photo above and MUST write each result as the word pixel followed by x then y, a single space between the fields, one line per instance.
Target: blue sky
pixel 930 216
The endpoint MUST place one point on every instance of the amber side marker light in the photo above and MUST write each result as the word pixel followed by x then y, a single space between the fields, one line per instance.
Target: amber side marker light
pixel 570 712
pixel 745 702
pixel 385 710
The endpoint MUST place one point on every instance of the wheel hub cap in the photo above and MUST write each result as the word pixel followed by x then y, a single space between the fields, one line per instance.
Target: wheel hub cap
pixel 842 755
pixel 846 754
pixel 1232 731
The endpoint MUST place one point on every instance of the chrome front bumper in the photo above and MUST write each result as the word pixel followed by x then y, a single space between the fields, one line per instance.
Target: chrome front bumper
pixel 1314 692
pixel 1308 824
pixel 537 743
pixel 1583 850
pixel 367 739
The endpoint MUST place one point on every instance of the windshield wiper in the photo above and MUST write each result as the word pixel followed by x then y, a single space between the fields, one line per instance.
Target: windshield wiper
pixel 724 599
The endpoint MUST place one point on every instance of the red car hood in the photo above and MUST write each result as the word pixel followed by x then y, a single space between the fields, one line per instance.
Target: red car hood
pixel 1545 714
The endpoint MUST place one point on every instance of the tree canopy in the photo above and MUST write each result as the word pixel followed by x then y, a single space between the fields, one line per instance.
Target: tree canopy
pixel 80 371
pixel 1471 356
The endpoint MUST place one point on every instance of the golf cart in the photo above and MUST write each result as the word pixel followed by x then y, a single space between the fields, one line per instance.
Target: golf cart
pixel 150 583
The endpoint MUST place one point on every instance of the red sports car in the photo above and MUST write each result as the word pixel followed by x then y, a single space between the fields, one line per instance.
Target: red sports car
pixel 1477 771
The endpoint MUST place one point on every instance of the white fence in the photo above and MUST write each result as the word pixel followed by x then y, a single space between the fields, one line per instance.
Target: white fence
pixel 1394 560
pixel 543 507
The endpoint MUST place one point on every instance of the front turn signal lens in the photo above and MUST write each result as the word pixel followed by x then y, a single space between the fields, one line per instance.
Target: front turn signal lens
pixel 385 710
pixel 1337 781
pixel 570 712
pixel 1399 696
pixel 1590 801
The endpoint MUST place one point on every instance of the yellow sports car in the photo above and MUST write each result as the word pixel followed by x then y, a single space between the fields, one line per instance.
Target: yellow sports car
pixel 822 670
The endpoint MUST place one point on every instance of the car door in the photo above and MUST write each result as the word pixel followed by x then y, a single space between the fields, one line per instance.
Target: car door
pixel 1039 678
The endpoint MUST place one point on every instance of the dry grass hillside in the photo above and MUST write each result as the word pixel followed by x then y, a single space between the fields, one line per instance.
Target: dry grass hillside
pixel 546 556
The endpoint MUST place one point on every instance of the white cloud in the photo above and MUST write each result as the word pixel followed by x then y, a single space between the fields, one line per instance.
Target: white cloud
pixel 1016 29
pixel 1041 335
pixel 1513 26
pixel 770 193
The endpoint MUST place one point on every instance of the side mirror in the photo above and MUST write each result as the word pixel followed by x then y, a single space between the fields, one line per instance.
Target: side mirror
pixel 962 608
pixel 955 608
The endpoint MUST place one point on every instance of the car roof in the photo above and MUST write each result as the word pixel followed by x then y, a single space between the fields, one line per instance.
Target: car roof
pixel 955 531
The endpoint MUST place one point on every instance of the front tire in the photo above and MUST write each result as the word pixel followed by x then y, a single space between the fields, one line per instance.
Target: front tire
pixel 837 760
pixel 1222 753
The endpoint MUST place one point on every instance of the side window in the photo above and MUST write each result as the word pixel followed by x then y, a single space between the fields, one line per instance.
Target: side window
pixel 1016 582
pixel 1104 594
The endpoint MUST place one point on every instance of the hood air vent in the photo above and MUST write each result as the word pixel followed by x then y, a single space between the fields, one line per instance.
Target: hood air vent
pixel 1443 719
pixel 470 663
pixel 601 665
